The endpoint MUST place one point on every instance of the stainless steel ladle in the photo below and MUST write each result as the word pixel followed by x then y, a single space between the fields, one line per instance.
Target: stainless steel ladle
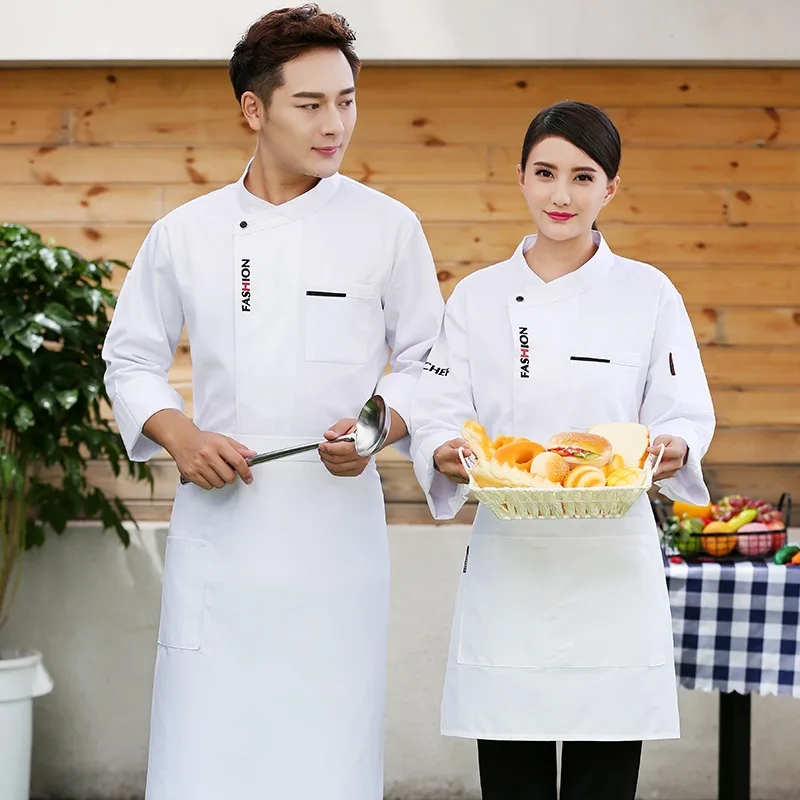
pixel 369 435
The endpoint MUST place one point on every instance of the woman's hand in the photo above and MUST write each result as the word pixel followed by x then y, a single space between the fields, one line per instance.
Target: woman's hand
pixel 676 451
pixel 446 460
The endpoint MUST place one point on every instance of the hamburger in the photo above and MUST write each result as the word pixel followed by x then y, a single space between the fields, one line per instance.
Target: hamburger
pixel 580 448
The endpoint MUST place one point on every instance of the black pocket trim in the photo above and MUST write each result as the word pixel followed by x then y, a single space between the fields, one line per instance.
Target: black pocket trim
pixel 326 294
pixel 588 358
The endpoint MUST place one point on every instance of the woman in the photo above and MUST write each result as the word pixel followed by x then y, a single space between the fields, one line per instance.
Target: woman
pixel 562 629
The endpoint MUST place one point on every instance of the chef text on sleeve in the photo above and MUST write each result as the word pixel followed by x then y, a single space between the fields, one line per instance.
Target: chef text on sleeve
pixel 443 402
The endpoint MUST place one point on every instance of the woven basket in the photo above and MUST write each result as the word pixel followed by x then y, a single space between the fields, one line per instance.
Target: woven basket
pixel 601 502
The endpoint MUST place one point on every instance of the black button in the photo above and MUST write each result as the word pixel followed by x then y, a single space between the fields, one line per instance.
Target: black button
pixel 242 224
pixel 520 298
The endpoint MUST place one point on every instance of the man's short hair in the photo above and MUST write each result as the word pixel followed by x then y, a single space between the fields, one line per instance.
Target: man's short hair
pixel 280 36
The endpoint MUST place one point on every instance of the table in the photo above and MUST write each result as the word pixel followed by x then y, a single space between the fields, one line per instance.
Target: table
pixel 736 628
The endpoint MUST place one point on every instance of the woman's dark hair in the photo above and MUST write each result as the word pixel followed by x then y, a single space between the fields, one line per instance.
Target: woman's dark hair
pixel 280 36
pixel 581 124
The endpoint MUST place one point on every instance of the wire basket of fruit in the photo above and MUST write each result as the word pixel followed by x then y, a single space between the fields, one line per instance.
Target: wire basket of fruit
pixel 594 474
pixel 737 528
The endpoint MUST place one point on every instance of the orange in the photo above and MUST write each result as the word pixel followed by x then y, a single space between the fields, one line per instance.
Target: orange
pixel 681 509
pixel 718 546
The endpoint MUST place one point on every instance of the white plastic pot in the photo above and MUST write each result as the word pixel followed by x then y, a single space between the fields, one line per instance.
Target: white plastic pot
pixel 22 678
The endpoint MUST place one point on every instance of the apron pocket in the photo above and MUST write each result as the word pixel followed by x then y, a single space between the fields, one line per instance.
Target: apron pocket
pixel 182 594
pixel 338 326
pixel 556 603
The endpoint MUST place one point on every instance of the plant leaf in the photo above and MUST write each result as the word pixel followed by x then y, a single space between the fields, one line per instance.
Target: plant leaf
pixel 45 399
pixel 48 258
pixel 47 322
pixel 23 418
pixel 34 535
pixel 61 315
pixel 21 356
pixel 68 398
pixel 11 325
pixel 30 338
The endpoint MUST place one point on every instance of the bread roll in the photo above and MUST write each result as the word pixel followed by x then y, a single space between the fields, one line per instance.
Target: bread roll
pixel 579 448
pixel 550 466
pixel 585 476
pixel 518 453
pixel 628 439
pixel 478 440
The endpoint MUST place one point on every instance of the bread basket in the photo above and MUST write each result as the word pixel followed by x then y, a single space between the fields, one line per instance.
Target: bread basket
pixel 600 502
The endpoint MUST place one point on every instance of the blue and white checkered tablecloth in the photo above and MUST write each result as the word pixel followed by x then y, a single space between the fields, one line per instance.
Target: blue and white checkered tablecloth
pixel 736 626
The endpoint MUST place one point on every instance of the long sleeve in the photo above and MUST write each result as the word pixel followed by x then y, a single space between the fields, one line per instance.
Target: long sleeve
pixel 677 400
pixel 141 344
pixel 442 404
pixel 413 309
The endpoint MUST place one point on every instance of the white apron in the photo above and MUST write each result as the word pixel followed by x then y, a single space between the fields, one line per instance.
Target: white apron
pixel 270 669
pixel 562 632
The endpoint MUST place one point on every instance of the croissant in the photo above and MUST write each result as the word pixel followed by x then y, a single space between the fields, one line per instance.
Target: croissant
pixel 478 440
pixel 492 474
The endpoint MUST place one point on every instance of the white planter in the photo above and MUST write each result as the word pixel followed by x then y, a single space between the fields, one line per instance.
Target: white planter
pixel 22 678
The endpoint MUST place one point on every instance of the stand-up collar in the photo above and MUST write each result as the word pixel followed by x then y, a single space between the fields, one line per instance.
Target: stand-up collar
pixel 573 283
pixel 259 213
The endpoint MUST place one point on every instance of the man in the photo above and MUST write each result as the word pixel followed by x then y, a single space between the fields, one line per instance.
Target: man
pixel 294 285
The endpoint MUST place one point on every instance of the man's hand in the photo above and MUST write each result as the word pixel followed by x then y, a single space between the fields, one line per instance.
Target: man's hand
pixel 340 458
pixel 676 451
pixel 208 459
pixel 448 463
pixel 212 460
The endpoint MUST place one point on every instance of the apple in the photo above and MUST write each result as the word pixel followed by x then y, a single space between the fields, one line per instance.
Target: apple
pixel 754 539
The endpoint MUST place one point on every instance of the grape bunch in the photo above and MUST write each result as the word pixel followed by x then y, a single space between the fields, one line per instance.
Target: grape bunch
pixel 730 506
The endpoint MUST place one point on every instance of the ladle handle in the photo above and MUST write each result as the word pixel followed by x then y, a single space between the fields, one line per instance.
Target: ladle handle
pixel 274 455
pixel 262 458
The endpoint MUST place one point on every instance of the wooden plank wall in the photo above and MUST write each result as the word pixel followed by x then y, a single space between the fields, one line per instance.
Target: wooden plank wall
pixel 711 195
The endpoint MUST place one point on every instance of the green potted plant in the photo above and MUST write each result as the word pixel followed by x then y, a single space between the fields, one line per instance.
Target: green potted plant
pixel 54 314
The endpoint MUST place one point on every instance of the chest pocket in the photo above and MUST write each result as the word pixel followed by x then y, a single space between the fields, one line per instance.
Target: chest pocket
pixel 605 386
pixel 337 325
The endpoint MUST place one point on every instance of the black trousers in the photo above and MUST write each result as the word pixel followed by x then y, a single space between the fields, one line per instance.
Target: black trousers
pixel 589 770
